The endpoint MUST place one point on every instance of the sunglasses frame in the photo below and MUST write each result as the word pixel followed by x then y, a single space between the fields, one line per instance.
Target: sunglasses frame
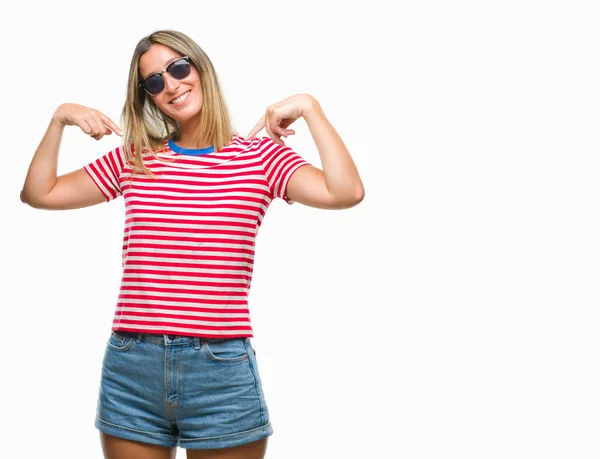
pixel 142 85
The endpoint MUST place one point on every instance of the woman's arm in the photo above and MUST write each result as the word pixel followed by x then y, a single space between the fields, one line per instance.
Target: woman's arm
pixel 41 176
pixel 42 188
pixel 338 185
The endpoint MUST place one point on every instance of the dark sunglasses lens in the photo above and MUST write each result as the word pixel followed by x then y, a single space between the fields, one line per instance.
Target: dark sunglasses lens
pixel 154 84
pixel 179 69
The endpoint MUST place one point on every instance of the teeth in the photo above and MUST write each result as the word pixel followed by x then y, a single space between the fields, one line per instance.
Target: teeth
pixel 180 99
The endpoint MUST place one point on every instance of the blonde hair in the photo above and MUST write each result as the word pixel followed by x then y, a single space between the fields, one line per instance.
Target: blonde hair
pixel 147 128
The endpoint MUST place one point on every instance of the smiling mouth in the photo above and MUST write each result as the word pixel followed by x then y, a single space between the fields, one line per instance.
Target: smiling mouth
pixel 181 98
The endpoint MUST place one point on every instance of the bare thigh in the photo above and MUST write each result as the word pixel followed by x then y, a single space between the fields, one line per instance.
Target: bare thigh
pixel 254 450
pixel 119 448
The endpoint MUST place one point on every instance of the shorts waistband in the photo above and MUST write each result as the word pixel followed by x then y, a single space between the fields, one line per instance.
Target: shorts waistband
pixel 163 339
pixel 169 339
pixel 171 336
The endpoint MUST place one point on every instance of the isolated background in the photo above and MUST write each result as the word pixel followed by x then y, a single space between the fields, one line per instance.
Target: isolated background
pixel 453 313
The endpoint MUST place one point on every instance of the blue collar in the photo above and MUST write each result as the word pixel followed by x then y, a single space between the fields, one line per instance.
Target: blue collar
pixel 188 151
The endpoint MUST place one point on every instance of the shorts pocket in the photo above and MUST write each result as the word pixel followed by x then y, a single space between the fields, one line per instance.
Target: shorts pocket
pixel 120 343
pixel 225 350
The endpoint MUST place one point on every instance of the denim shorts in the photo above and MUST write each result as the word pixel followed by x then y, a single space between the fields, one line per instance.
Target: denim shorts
pixel 171 390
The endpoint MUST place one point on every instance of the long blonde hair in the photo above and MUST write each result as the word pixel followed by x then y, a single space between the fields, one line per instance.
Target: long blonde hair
pixel 147 128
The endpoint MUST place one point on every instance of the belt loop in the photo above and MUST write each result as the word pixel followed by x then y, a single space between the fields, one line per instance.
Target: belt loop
pixel 196 342
pixel 138 337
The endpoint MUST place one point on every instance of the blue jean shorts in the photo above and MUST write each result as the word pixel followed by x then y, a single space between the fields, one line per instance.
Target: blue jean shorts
pixel 171 390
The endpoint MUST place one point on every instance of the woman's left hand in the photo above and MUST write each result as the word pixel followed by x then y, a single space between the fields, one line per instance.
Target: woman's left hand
pixel 280 116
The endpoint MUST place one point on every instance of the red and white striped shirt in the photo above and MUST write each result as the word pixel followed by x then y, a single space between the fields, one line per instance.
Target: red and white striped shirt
pixel 188 245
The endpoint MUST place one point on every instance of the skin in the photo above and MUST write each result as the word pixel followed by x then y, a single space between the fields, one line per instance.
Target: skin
pixel 119 448
pixel 336 186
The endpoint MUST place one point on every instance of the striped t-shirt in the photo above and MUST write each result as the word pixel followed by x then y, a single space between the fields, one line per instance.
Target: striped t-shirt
pixel 188 245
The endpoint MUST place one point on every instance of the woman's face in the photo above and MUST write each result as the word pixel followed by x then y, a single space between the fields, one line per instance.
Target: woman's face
pixel 169 100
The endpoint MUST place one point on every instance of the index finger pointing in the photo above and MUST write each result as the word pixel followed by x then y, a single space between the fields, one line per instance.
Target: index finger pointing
pixel 111 124
pixel 256 129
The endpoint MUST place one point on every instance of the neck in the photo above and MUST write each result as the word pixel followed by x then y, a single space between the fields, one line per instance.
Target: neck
pixel 186 136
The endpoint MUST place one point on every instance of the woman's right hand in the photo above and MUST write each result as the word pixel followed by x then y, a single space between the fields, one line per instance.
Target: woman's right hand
pixel 91 121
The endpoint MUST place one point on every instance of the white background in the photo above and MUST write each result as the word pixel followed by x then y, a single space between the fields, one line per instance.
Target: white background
pixel 453 313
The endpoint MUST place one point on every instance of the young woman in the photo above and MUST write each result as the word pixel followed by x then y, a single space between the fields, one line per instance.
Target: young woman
pixel 179 367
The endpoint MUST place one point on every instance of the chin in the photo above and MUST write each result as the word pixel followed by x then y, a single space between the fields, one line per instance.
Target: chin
pixel 183 118
pixel 184 115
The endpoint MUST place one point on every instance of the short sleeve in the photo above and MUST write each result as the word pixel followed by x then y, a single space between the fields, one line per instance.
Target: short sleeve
pixel 280 163
pixel 106 172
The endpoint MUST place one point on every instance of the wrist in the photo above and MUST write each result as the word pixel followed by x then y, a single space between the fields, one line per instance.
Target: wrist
pixel 57 118
pixel 309 103
pixel 311 106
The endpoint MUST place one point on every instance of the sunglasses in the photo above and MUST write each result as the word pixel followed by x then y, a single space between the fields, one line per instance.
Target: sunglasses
pixel 178 69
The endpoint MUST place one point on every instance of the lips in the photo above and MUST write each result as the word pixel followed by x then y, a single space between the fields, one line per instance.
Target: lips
pixel 180 98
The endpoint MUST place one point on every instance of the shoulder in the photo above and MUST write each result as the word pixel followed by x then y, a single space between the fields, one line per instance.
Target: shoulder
pixel 128 151
pixel 254 144
pixel 265 145
pixel 242 141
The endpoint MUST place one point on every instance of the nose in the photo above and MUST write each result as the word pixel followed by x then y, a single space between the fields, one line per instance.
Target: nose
pixel 171 84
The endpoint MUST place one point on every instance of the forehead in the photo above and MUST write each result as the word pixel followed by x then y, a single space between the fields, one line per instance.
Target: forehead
pixel 156 59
